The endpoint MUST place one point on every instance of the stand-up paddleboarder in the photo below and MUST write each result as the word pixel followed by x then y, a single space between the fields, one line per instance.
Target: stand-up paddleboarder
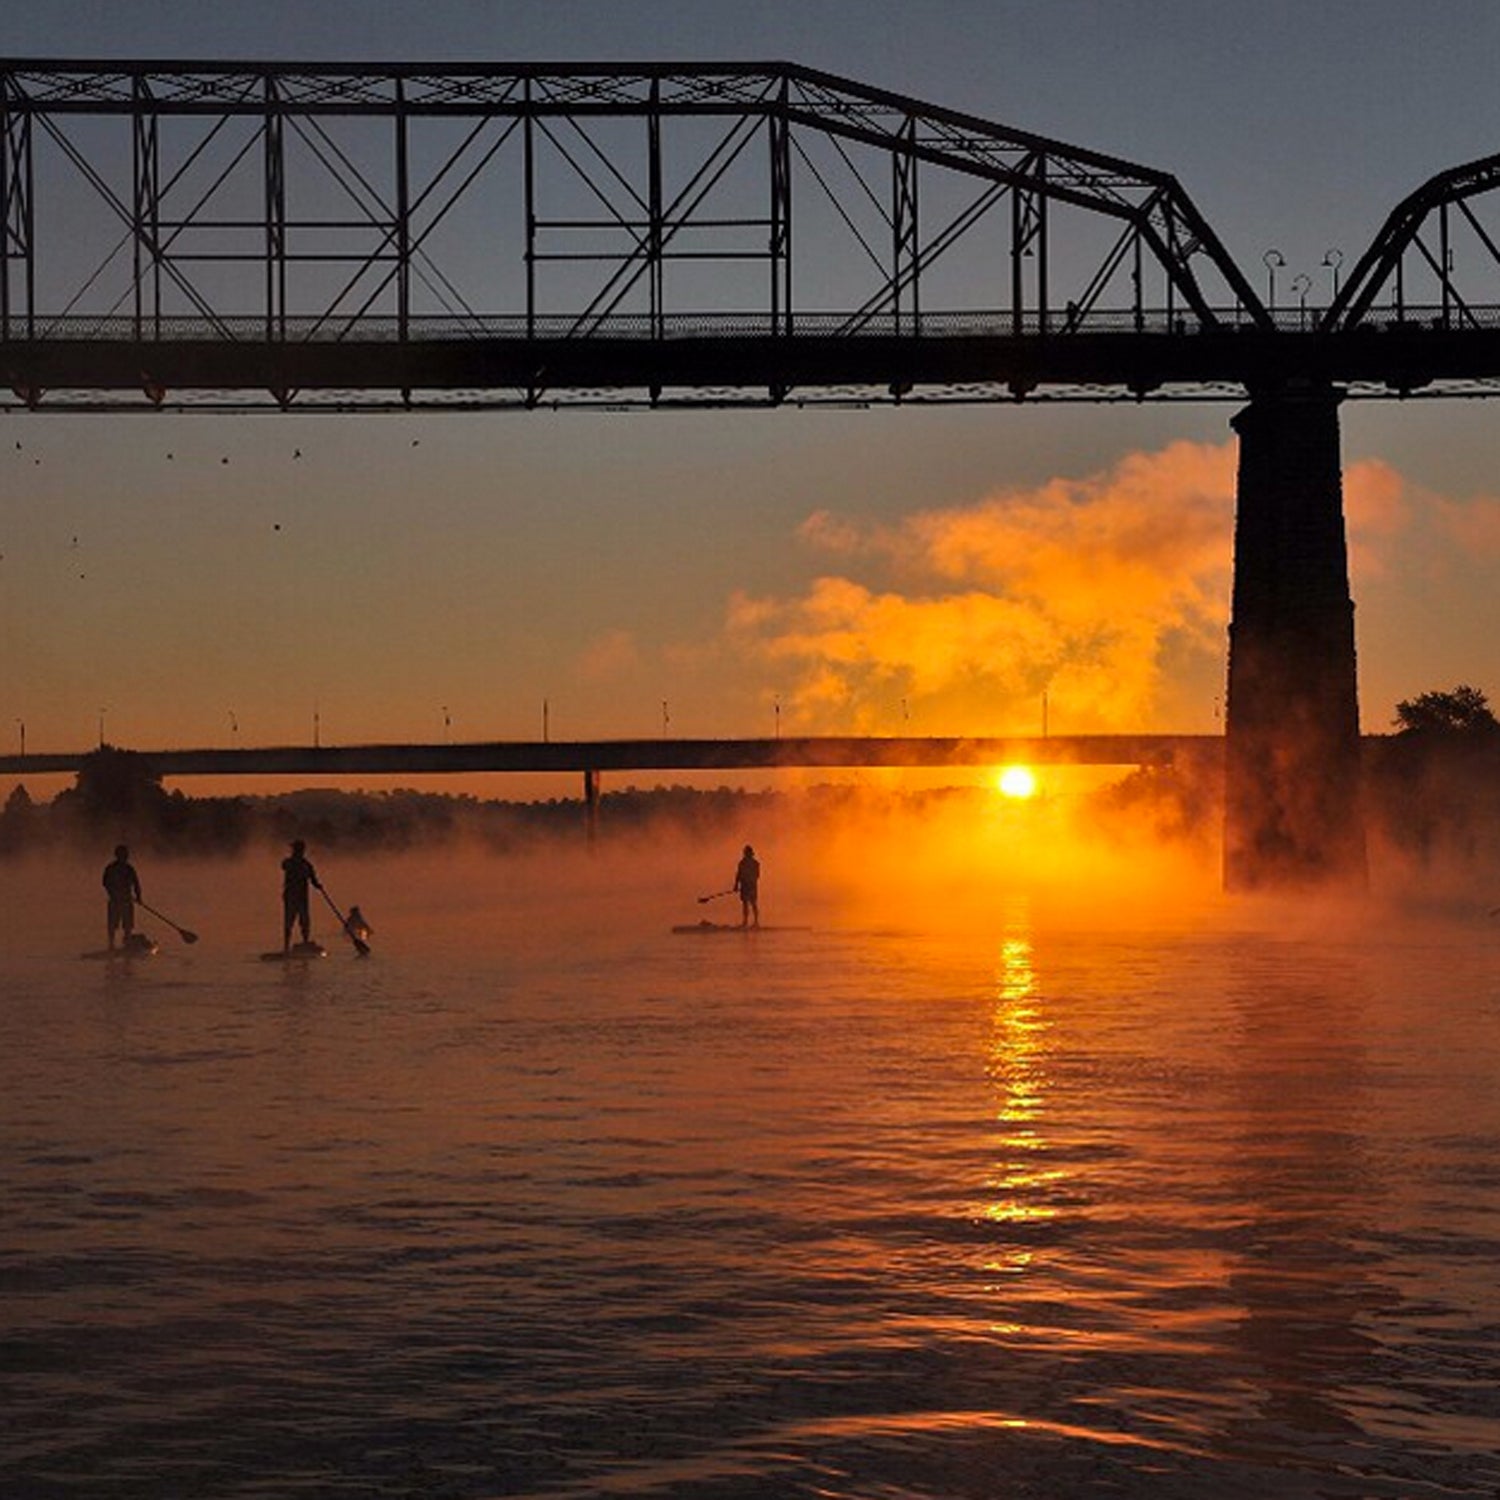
pixel 123 887
pixel 747 883
pixel 297 875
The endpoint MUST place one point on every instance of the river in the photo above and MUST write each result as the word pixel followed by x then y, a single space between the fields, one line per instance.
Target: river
pixel 546 1200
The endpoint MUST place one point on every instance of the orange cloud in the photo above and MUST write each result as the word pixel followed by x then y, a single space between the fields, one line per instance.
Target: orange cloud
pixel 1378 505
pixel 608 655
pixel 1474 524
pixel 1076 588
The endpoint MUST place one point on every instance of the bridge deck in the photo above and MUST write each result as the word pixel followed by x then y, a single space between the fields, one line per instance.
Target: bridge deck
pixel 735 369
pixel 851 751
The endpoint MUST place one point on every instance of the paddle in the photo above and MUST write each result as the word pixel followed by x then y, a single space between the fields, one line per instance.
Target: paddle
pixel 360 945
pixel 182 932
pixel 715 896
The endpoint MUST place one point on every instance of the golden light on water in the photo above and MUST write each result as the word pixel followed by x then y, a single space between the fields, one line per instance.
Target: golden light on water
pixel 1017 781
pixel 1019 1182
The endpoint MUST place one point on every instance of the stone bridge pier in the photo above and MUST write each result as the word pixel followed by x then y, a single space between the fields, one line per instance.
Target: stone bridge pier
pixel 1292 761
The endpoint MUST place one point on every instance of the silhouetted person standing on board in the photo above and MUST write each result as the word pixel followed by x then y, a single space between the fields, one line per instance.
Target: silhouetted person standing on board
pixel 297 875
pixel 124 888
pixel 747 883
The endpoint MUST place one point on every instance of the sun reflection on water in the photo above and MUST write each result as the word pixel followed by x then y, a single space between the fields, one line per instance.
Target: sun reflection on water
pixel 1017 1068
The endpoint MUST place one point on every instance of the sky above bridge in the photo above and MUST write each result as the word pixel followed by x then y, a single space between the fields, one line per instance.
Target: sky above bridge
pixel 201 580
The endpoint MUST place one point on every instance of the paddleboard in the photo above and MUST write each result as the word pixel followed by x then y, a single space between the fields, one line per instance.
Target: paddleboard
pixel 704 928
pixel 145 949
pixel 295 953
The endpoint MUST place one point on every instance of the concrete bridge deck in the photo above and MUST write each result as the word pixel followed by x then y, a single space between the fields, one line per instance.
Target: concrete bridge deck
pixel 829 751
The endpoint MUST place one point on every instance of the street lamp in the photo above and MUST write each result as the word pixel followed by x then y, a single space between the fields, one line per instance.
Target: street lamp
pixel 234 727
pixel 1272 259
pixel 447 726
pixel 1333 259
pixel 1301 284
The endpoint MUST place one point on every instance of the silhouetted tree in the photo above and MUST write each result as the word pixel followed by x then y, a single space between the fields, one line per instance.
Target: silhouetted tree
pixel 1462 710
pixel 1434 787
pixel 18 822
pixel 117 793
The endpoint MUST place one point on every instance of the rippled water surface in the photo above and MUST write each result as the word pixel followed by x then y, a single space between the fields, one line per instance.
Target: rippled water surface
pixel 1017 1209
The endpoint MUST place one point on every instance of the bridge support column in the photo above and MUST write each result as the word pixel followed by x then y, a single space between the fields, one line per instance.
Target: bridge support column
pixel 591 804
pixel 1292 806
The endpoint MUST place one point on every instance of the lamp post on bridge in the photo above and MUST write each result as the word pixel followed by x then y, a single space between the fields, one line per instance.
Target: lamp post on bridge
pixel 1272 259
pixel 1302 285
pixel 1333 259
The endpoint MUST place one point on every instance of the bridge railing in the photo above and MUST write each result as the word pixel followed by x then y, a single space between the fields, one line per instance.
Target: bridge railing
pixel 377 328
pixel 995 323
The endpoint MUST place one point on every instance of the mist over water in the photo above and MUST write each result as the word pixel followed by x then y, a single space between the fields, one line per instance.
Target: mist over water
pixel 1032 1169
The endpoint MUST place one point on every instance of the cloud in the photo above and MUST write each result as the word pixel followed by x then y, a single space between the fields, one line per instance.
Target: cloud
pixel 966 615
pixel 1378 505
pixel 1473 524
pixel 609 655
pixel 828 532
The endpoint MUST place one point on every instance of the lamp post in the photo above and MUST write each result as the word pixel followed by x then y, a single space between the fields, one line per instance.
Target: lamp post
pixel 1272 259
pixel 1333 259
pixel 1301 285
pixel 234 728
pixel 447 727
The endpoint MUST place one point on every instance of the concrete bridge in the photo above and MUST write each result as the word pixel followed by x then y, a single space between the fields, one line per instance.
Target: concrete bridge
pixel 593 757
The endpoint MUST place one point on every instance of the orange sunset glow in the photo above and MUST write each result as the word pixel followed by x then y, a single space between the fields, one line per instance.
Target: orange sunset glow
pixel 1017 781
pixel 750 750
pixel 1107 592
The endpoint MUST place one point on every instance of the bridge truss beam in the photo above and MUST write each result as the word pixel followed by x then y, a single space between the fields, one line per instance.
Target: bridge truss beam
pixel 289 208
pixel 1435 262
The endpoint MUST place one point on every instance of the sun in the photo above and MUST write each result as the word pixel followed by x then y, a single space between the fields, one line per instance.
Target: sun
pixel 1017 781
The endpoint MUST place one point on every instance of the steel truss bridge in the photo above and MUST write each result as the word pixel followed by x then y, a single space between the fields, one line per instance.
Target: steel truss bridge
pixel 239 235
pixel 225 235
